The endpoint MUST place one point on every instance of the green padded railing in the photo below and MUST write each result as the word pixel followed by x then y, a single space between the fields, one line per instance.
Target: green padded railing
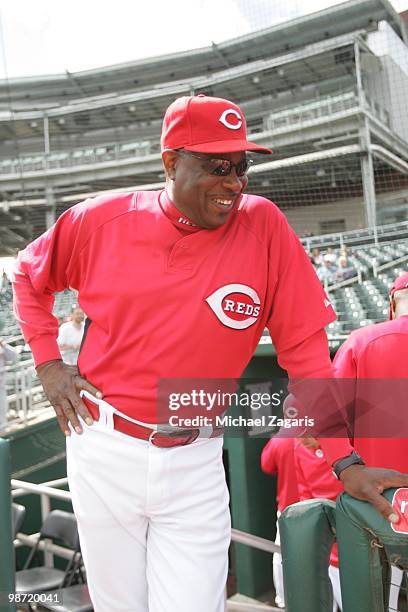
pixel 6 540
pixel 367 544
pixel 307 537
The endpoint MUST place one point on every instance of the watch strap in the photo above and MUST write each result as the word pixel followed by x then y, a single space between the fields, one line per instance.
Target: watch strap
pixel 353 459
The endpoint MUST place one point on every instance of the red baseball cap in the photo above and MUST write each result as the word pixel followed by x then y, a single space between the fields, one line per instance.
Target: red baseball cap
pixel 400 283
pixel 204 124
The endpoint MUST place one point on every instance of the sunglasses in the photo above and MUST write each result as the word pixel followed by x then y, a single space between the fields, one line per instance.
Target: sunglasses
pixel 220 167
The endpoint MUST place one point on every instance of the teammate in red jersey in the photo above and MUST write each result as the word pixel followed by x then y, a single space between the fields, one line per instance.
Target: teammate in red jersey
pixel 176 284
pixel 377 355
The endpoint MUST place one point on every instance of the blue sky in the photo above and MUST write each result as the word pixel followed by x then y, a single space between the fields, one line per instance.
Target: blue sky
pixel 51 36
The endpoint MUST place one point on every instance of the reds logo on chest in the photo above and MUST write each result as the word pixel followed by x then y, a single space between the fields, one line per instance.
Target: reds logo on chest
pixel 237 306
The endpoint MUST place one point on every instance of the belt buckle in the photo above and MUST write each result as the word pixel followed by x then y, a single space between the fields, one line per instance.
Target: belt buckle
pixel 193 437
pixel 194 433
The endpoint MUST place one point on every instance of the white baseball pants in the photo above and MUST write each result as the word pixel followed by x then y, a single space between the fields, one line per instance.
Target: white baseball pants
pixel 396 580
pixel 278 571
pixel 334 575
pixel 154 523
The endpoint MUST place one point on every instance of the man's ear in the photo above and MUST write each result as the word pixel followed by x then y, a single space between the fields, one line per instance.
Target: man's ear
pixel 169 162
pixel 392 307
pixel 244 182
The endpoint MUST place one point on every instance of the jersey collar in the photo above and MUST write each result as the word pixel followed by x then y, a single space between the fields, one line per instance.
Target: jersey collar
pixel 176 217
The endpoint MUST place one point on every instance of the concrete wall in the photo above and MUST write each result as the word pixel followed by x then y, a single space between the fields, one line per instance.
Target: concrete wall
pixel 309 218
pixel 385 41
pixel 391 207
pixel 398 85
pixel 389 87
pixel 376 83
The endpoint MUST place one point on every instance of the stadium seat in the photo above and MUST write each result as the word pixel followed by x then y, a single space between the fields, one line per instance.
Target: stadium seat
pixel 58 526
pixel 18 513
pixel 74 598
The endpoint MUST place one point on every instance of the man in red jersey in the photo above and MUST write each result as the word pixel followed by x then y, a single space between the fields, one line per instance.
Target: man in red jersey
pixel 176 284
pixel 375 356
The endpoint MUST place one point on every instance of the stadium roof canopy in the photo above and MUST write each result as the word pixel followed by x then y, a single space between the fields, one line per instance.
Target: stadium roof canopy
pixel 42 92
pixel 316 61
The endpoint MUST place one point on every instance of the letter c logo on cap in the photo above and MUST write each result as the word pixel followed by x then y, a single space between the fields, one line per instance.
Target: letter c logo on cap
pixel 224 119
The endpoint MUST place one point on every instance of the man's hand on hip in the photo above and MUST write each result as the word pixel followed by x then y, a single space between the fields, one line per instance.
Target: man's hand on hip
pixel 62 384
pixel 367 484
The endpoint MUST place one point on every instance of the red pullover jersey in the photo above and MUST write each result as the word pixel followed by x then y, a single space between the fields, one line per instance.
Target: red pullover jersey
pixel 166 303
pixel 377 352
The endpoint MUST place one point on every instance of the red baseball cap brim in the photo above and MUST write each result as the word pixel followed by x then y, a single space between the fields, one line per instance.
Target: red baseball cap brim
pixel 227 146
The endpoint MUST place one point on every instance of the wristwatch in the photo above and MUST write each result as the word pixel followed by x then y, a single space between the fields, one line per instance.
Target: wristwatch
pixel 353 459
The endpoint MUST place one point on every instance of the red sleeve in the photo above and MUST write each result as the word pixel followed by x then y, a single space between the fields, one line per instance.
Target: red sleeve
pixel 268 458
pixel 311 359
pixel 46 266
pixel 300 305
pixel 308 359
pixel 344 363
pixel 335 448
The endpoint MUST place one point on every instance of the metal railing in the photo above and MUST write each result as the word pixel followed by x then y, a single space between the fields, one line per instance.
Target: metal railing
pixel 390 264
pixel 49 490
pixel 346 283
pixel 382 233
pixel 46 491
pixel 25 395
pixel 375 270
pixel 321 108
pixel 110 152
pixel 302 112
pixel 312 110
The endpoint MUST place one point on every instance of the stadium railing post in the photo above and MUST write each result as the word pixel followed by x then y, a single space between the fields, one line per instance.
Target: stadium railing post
pixel 6 539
